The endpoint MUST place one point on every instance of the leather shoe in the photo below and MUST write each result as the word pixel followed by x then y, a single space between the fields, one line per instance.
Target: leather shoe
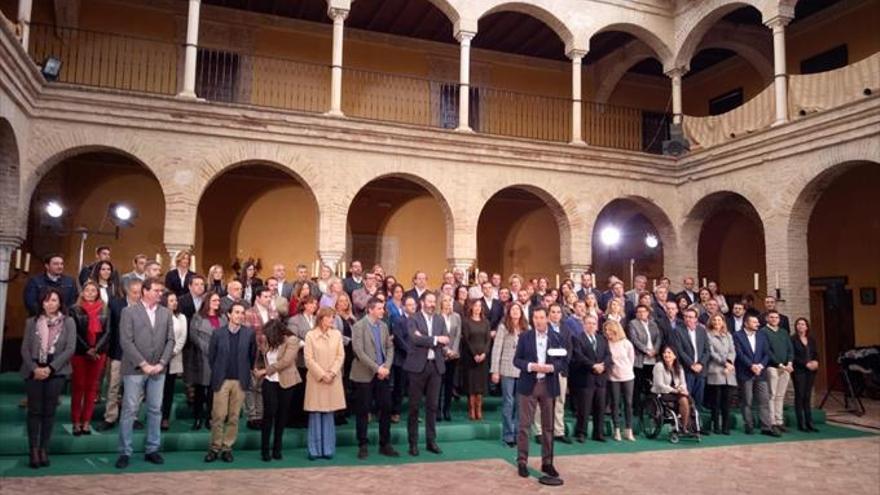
pixel 522 470
pixel 812 429
pixel 413 450
pixel 750 430
pixel 782 428
pixel 433 447
pixel 122 462
pixel 600 439
pixel 104 426
pixel 265 456
pixel 197 425
pixel 549 470
pixel 44 458
pixel 226 456
pixel 563 439
pixel 277 455
pixel 447 416
pixel 538 439
pixel 211 456
pixel 362 452
pixel 154 457
pixel 771 433
pixel 580 438
pixel 388 451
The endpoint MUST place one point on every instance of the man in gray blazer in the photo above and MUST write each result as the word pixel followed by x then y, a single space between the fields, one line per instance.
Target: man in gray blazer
pixel 371 376
pixel 146 335
pixel 647 340
pixel 425 365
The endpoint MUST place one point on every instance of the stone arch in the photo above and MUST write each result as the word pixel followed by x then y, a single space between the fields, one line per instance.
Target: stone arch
pixel 449 10
pixel 562 213
pixel 348 197
pixel 742 40
pixel 610 70
pixel 545 15
pixel 696 23
pixel 659 48
pixel 10 169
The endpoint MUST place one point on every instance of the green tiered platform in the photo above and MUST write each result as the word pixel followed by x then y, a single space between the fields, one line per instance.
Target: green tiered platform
pixel 460 439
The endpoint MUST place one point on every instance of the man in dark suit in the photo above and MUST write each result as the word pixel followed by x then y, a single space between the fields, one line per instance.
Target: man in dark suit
pixel 770 305
pixel 493 309
pixel 399 376
pixel 587 376
pixel 419 288
pixel 736 318
pixel 693 352
pixel 670 324
pixel 752 357
pixel 688 291
pixel 424 362
pixel 554 321
pixel 587 287
pixel 191 302
pixel 661 296
pixel 102 253
pixel 540 354
pixel 355 280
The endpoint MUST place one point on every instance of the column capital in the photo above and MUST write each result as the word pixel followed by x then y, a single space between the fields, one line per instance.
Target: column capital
pixel 10 241
pixel 337 13
pixel 331 257
pixel 465 36
pixel 778 21
pixel 674 72
pixel 576 54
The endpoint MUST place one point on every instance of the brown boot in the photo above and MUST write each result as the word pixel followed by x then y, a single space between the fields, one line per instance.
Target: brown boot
pixel 478 407
pixel 472 406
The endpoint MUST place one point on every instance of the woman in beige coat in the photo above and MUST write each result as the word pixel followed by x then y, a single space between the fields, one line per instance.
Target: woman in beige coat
pixel 324 357
pixel 279 355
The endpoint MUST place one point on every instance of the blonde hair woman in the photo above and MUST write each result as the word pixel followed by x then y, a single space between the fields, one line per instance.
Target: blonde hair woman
pixel 721 374
pixel 215 282
pixel 177 280
pixel 324 357
pixel 622 376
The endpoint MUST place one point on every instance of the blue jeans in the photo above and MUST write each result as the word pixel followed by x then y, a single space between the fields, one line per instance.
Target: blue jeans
pixel 134 386
pixel 322 434
pixel 508 409
pixel 696 384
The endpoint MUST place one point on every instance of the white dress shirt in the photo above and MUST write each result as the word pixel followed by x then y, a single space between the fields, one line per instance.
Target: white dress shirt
pixel 541 344
pixel 693 336
pixel 429 322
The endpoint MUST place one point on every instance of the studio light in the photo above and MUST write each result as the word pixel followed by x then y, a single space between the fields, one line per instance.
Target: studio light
pixel 121 214
pixel 651 241
pixel 610 236
pixel 54 209
pixel 51 68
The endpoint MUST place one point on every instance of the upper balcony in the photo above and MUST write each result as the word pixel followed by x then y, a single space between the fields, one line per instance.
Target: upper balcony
pixel 407 62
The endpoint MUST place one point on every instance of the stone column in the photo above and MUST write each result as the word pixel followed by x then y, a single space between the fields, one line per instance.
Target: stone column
pixel 191 51
pixel 24 21
pixel 787 259
pixel 574 272
pixel 464 85
pixel 780 75
pixel 331 258
pixel 338 16
pixel 677 144
pixel 577 133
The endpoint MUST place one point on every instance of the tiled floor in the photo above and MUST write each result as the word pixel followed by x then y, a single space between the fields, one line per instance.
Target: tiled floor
pixel 822 467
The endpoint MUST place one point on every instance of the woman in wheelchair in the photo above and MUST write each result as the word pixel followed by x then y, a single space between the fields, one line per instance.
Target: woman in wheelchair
pixel 669 383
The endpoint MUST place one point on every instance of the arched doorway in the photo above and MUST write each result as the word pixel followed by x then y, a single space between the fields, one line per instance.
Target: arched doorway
pixel 731 244
pixel 630 236
pixel 260 211
pixel 401 224
pixel 843 239
pixel 519 232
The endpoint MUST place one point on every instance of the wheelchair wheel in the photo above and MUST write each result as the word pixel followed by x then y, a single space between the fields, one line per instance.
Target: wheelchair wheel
pixel 673 437
pixel 651 419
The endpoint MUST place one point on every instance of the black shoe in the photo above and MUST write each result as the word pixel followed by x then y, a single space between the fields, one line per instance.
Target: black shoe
pixel 34 459
pixel 77 431
pixel 580 438
pixel 226 456
pixel 705 433
pixel 511 444
pixel 716 430
pixel 388 451
pixel 812 429
pixel 362 452
pixel 447 416
pixel 549 470
pixel 154 457
pixel 802 428
pixel 538 439
pixel 413 451
pixel 104 426
pixel 771 433
pixel 725 431
pixel 122 462
pixel 563 439
pixel 44 458
pixel 87 430
pixel 265 456
pixel 433 447
pixel 253 425
pixel 782 428
pixel 197 425
pixel 750 430
pixel 211 456
pixel 138 425
pixel 277 455
pixel 522 470
pixel 600 439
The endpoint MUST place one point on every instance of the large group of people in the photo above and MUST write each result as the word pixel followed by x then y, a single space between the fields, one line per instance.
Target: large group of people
pixel 311 351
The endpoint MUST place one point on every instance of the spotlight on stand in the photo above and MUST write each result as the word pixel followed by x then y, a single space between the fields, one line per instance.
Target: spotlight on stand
pixel 610 236
pixel 51 68
pixel 651 241
pixel 54 209
pixel 121 214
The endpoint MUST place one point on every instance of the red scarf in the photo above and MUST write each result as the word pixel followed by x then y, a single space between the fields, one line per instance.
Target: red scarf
pixel 93 310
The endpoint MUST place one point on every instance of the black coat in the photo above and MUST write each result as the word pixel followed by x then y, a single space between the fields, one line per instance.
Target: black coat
pixel 494 315
pixel 219 356
pixel 172 282
pixel 804 354
pixel 583 357
pixel 117 304
pixel 81 319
